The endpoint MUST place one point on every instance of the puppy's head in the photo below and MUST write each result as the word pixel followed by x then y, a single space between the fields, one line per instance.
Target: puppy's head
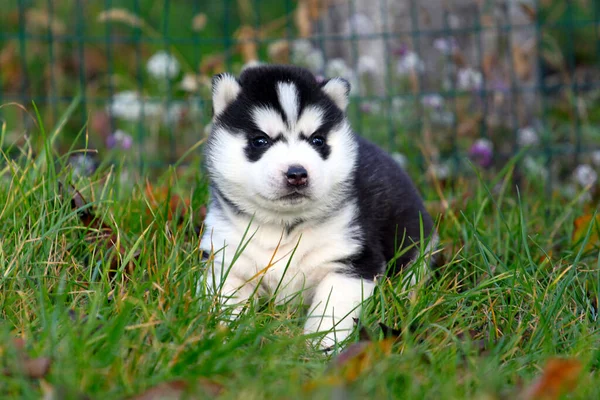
pixel 281 145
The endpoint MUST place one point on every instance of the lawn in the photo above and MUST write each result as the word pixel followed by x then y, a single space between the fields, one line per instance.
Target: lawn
pixel 99 281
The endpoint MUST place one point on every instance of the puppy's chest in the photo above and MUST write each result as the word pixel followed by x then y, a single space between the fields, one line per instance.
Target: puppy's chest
pixel 299 259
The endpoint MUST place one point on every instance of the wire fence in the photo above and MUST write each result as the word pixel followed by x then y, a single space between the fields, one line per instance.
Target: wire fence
pixel 440 84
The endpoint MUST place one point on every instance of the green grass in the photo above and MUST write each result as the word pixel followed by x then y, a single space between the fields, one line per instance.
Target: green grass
pixel 115 338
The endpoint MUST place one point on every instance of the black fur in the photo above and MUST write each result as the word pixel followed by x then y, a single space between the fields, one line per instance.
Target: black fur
pixel 390 212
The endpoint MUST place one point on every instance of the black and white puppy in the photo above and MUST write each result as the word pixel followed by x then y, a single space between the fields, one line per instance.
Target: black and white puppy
pixel 320 211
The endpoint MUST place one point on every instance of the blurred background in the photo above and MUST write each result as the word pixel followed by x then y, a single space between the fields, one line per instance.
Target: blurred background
pixel 443 85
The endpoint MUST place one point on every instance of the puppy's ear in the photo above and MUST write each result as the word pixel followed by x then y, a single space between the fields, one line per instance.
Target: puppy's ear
pixel 337 89
pixel 225 89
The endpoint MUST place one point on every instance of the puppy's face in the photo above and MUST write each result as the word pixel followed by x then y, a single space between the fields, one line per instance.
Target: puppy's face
pixel 281 144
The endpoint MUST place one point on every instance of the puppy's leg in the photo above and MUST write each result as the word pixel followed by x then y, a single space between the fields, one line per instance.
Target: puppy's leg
pixel 335 303
pixel 232 290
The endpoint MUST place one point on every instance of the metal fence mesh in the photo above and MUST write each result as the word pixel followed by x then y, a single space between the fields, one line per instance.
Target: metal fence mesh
pixel 440 84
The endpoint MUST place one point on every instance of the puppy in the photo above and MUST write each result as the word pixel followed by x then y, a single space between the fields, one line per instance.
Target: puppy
pixel 301 205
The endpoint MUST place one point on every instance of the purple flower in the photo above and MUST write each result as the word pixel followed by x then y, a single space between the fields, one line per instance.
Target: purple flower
pixel 401 50
pixel 482 152
pixel 119 138
pixel 433 101
pixel 446 46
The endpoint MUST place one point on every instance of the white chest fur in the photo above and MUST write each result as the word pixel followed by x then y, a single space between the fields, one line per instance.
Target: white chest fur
pixel 281 263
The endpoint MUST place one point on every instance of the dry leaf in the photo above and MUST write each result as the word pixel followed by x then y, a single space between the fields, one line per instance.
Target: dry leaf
pixel 302 19
pixel 522 62
pixel 101 235
pixel 34 368
pixel 359 357
pixel 213 64
pixel 199 22
pixel 121 15
pixel 316 8
pixel 529 11
pixel 246 36
pixel 580 230
pixel 157 197
pixel 559 377
pixel 41 20
pixel 178 388
pixel 279 52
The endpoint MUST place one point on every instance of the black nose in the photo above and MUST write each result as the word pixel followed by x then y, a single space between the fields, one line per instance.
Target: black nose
pixel 297 175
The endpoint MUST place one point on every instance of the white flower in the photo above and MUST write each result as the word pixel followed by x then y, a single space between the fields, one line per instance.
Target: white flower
pixel 400 159
pixel 469 79
pixel 585 175
pixel 129 105
pixel 315 60
pixel 304 54
pixel 360 24
pixel 368 65
pixel 189 83
pixel 398 105
pixel 432 101
pixel 162 65
pixel 445 46
pixel 409 63
pixel 527 137
pixel 439 171
pixel 337 68
pixel 175 112
pixel 596 158
pixel 535 168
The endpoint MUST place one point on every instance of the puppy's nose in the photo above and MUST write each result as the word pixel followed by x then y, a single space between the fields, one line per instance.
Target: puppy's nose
pixel 296 175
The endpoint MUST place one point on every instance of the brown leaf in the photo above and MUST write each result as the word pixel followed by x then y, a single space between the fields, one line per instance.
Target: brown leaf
pixel 37 367
pixel 316 8
pixel 199 22
pixel 522 62
pixel 213 64
pixel 390 332
pixel 581 226
pixel 302 19
pixel 529 11
pixel 178 388
pixel 279 52
pixel 558 378
pixel 246 36
pixel 33 368
pixel 358 358
pixel 101 235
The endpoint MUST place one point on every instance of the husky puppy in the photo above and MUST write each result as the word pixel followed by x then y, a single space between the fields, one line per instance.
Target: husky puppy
pixel 299 203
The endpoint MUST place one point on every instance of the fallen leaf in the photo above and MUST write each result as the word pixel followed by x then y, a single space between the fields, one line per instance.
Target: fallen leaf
pixel 246 37
pixel 199 22
pixel 558 378
pixel 279 52
pixel 360 357
pixel 581 226
pixel 390 332
pixel 101 234
pixel 529 11
pixel 34 368
pixel 179 389
pixel 302 19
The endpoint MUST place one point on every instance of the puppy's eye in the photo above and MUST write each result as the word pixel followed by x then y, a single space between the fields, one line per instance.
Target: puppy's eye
pixel 317 141
pixel 260 142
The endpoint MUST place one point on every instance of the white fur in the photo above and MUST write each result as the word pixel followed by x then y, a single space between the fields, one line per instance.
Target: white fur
pixel 257 189
pixel 288 98
pixel 337 90
pixel 225 90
